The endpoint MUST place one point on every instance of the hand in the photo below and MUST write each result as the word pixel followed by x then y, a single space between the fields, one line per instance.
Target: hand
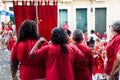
pixel 118 56
pixel 42 39
pixel 111 77
pixel 15 78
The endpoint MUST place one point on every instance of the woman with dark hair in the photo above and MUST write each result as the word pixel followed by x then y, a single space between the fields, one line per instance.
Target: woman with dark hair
pixel 59 56
pixel 113 47
pixel 30 69
pixel 82 70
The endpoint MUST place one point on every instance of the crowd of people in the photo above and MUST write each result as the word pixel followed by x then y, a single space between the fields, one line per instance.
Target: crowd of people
pixel 7 35
pixel 67 56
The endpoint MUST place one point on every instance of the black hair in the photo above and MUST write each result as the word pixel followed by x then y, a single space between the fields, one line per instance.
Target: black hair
pixel 28 30
pixel 59 36
pixel 84 31
pixel 92 31
pixel 9 23
pixel 78 35
pixel 91 42
pixel 69 32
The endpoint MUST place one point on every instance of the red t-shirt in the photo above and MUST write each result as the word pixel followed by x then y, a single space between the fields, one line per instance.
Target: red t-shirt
pixel 9 28
pixel 98 64
pixel 59 65
pixel 65 27
pixel 82 70
pixel 10 44
pixel 111 50
pixel 30 68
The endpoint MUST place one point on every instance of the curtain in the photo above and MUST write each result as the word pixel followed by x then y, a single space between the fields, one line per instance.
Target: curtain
pixel 23 12
pixel 48 20
pixel 47 16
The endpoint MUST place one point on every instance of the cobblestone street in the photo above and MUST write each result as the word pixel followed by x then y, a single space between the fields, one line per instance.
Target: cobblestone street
pixel 4 65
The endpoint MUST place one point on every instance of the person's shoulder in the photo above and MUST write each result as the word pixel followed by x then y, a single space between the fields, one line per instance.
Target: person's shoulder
pixel 84 48
pixel 20 44
pixel 117 37
pixel 72 47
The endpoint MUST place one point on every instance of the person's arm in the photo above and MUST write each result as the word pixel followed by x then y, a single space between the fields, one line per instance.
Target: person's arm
pixel 14 68
pixel 36 46
pixel 91 62
pixel 7 41
pixel 115 66
pixel 117 70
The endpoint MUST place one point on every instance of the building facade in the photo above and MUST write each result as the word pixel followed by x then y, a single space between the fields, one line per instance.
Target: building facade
pixel 89 14
pixel 80 14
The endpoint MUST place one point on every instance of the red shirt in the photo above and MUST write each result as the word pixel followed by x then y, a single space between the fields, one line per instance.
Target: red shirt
pixel 10 44
pixel 30 68
pixel 59 65
pixel 98 35
pixel 98 64
pixel 83 70
pixel 65 27
pixel 9 28
pixel 111 50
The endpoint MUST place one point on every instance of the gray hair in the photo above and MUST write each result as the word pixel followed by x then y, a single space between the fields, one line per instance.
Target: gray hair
pixel 78 35
pixel 116 26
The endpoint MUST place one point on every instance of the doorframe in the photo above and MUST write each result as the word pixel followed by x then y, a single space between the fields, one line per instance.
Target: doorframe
pixel 107 16
pixel 68 9
pixel 88 11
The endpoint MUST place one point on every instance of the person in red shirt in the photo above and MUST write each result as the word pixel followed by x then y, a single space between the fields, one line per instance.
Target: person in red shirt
pixel 70 40
pixel 98 69
pixel 104 36
pixel 9 26
pixel 83 71
pixel 59 56
pixel 65 26
pixel 113 46
pixel 30 68
pixel 98 35
pixel 10 41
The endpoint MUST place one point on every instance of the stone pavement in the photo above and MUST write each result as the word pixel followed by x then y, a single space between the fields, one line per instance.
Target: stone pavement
pixel 4 65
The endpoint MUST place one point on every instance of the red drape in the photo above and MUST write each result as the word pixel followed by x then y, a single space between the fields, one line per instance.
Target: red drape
pixel 47 17
pixel 48 20
pixel 23 12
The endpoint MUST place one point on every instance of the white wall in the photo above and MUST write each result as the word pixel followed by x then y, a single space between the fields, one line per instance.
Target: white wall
pixel 5 7
pixel 112 7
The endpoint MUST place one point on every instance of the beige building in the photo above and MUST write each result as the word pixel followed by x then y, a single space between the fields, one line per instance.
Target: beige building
pixel 89 14
pixel 82 14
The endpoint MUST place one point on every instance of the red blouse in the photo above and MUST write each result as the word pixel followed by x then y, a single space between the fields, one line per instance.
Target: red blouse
pixel 59 65
pixel 82 70
pixel 10 44
pixel 111 50
pixel 98 64
pixel 30 68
